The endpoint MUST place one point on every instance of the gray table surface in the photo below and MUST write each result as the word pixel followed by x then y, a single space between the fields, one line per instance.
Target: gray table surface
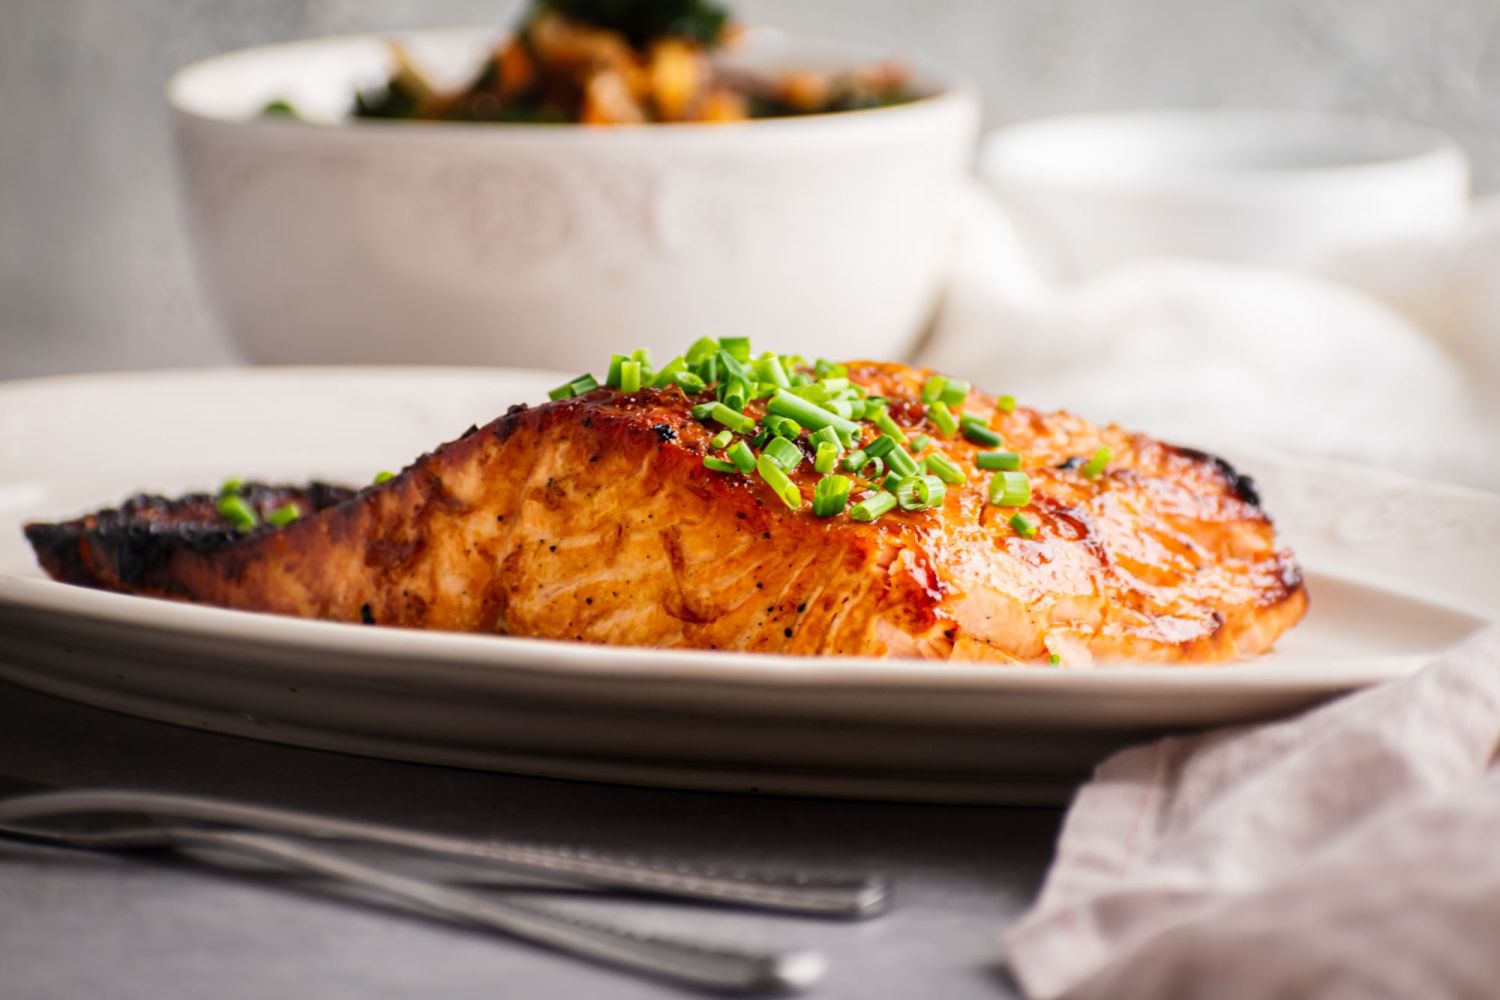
pixel 74 925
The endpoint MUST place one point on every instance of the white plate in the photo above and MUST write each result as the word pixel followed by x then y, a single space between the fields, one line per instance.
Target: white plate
pixel 1397 571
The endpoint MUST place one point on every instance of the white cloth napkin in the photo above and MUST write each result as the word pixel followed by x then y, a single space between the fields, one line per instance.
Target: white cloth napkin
pixel 1350 852
pixel 1388 354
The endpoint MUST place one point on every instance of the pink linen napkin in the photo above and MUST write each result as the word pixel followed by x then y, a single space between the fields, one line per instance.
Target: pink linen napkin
pixel 1353 851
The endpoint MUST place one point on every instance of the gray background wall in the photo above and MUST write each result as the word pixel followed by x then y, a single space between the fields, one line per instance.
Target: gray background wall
pixel 93 269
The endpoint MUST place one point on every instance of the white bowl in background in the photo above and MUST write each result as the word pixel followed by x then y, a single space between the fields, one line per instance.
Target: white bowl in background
pixel 553 245
pixel 1092 191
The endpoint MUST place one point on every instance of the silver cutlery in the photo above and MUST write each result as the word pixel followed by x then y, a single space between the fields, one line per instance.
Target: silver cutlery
pixel 130 820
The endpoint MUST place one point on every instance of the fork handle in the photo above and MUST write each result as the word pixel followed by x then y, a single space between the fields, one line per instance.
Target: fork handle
pixel 827 894
pixel 711 967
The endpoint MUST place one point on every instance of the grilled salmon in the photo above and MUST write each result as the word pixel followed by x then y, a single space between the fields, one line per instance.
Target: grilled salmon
pixel 594 519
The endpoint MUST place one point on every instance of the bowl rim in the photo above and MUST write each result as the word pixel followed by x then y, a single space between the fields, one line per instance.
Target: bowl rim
pixel 1423 148
pixel 948 94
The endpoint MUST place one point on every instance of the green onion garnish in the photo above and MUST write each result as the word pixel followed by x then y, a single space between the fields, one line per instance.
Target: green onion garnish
pixel 826 435
pixel 831 496
pixel 854 460
pixel 779 481
pixel 238 513
pixel 667 373
pixel 1054 659
pixel 784 453
pixel 920 443
pixel 872 507
pixel 283 515
pixel 942 418
pixel 995 460
pixel 1005 404
pixel 736 347
pixel 580 385
pixel 689 383
pixel 787 404
pixel 612 377
pixel 932 389
pixel 871 462
pixel 630 376
pixel 1095 466
pixel 721 440
pixel 881 418
pixel 719 465
pixel 1010 489
pixel 942 466
pixel 976 430
pixel 735 393
pixel 737 422
pixel 740 454
pixel 703 348
pixel 901 462
pixel 890 482
pixel 772 372
pixel 233 485
pixel 384 477
pixel 881 446
pixel 827 458
pixel 1023 526
pixel 782 427
pixel 920 492
pixel 955 392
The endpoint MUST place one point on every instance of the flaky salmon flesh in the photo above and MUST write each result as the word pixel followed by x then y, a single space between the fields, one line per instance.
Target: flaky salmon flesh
pixel 593 519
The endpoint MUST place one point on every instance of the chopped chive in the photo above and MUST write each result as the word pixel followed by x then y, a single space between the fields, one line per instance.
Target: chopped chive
pixel 890 482
pixel 843 407
pixel 976 430
pixel 761 437
pixel 233 485
pixel 942 418
pixel 737 422
pixel 630 376
pixel 831 496
pixel 920 492
pixel 736 347
pixel 901 462
pixel 772 372
pixel 703 348
pixel 708 370
pixel 942 466
pixel 784 453
pixel 828 435
pixel 740 454
pixel 703 411
pixel 735 393
pixel 835 386
pixel 827 458
pixel 283 515
pixel 920 443
pixel 1095 466
pixel 872 507
pixel 873 463
pixel 882 419
pixel 667 373
pixel 1005 404
pixel 782 427
pixel 238 513
pixel 689 383
pixel 800 381
pixel 932 389
pixel 583 384
pixel 955 392
pixel 1010 489
pixel 642 355
pixel 807 414
pixel 384 477
pixel 721 439
pixel 996 460
pixel 825 368
pixel 881 446
pixel 854 460
pixel 779 481
pixel 1054 659
pixel 858 408
pixel 719 465
pixel 564 391
pixel 1023 526
pixel 612 377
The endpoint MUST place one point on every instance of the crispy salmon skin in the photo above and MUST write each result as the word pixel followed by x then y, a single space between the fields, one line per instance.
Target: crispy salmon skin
pixel 594 519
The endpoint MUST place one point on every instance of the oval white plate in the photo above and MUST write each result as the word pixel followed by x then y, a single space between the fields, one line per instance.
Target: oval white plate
pixel 1398 570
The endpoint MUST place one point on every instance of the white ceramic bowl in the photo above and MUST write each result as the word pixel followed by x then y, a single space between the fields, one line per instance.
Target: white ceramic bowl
pixel 1092 191
pixel 551 246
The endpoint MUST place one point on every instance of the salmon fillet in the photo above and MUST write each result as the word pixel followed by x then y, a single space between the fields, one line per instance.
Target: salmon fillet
pixel 594 519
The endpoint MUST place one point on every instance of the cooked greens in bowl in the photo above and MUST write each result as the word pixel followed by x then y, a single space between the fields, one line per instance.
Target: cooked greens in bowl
pixel 619 62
